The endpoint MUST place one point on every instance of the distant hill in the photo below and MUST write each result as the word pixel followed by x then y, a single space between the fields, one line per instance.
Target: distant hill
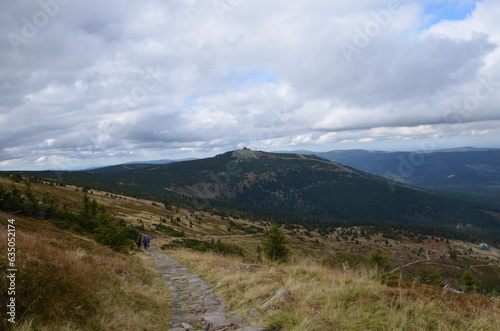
pixel 465 169
pixel 132 165
pixel 119 168
pixel 284 186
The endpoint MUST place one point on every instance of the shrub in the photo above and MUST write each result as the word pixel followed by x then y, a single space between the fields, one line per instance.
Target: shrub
pixel 204 246
pixel 169 230
pixel 379 259
pixel 429 277
pixel 108 232
pixel 469 282
pixel 274 245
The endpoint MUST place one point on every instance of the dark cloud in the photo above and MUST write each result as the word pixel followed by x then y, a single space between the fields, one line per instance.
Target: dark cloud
pixel 86 83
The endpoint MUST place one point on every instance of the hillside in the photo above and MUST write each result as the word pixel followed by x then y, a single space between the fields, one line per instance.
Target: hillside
pixel 464 170
pixel 287 187
pixel 327 273
pixel 64 279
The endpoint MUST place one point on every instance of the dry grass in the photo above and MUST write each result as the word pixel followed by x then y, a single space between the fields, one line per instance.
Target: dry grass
pixel 67 282
pixel 328 299
pixel 71 283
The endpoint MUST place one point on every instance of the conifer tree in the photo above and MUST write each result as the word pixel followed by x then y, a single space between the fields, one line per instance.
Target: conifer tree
pixel 274 245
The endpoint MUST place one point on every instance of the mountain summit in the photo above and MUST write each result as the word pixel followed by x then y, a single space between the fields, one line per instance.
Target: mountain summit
pixel 286 185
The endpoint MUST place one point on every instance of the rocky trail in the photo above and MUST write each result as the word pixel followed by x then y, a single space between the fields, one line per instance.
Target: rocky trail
pixel 194 305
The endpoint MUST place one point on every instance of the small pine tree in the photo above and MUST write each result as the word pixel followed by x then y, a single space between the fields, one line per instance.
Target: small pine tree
pixel 470 282
pixel 274 245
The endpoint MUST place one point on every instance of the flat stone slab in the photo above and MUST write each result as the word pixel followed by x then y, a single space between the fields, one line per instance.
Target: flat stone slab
pixel 216 322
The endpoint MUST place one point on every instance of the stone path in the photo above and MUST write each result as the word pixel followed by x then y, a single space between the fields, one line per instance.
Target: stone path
pixel 194 305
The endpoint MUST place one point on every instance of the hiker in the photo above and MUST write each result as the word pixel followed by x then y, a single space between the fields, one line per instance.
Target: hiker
pixel 146 241
pixel 138 241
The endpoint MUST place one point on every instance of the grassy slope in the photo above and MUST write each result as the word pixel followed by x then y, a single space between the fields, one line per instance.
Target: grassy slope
pixel 324 297
pixel 66 281
pixel 207 226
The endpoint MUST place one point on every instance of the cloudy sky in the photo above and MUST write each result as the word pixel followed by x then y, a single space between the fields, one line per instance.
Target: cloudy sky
pixel 85 83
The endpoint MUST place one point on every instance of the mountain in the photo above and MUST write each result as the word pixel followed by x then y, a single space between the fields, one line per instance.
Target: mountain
pixel 461 170
pixel 132 165
pixel 119 168
pixel 285 186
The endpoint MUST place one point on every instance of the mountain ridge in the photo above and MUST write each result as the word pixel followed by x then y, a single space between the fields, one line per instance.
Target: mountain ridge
pixel 285 186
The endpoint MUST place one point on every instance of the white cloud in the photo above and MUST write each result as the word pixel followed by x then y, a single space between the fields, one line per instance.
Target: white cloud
pixel 109 82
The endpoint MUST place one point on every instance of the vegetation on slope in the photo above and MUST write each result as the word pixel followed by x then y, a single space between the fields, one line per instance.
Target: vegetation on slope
pixel 289 188
pixel 116 276
pixel 322 298
pixel 65 280
pixel 91 218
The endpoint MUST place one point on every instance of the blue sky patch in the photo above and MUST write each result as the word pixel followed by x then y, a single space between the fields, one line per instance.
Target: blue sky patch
pixel 451 10
pixel 191 101
pixel 252 76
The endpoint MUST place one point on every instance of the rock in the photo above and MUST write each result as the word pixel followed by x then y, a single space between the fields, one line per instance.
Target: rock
pixel 216 322
pixel 252 313
pixel 249 267
pixel 187 326
pixel 236 319
pixel 280 295
pixel 251 328
pixel 452 289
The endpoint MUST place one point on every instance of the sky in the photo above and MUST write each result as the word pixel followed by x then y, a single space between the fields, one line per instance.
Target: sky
pixel 90 83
